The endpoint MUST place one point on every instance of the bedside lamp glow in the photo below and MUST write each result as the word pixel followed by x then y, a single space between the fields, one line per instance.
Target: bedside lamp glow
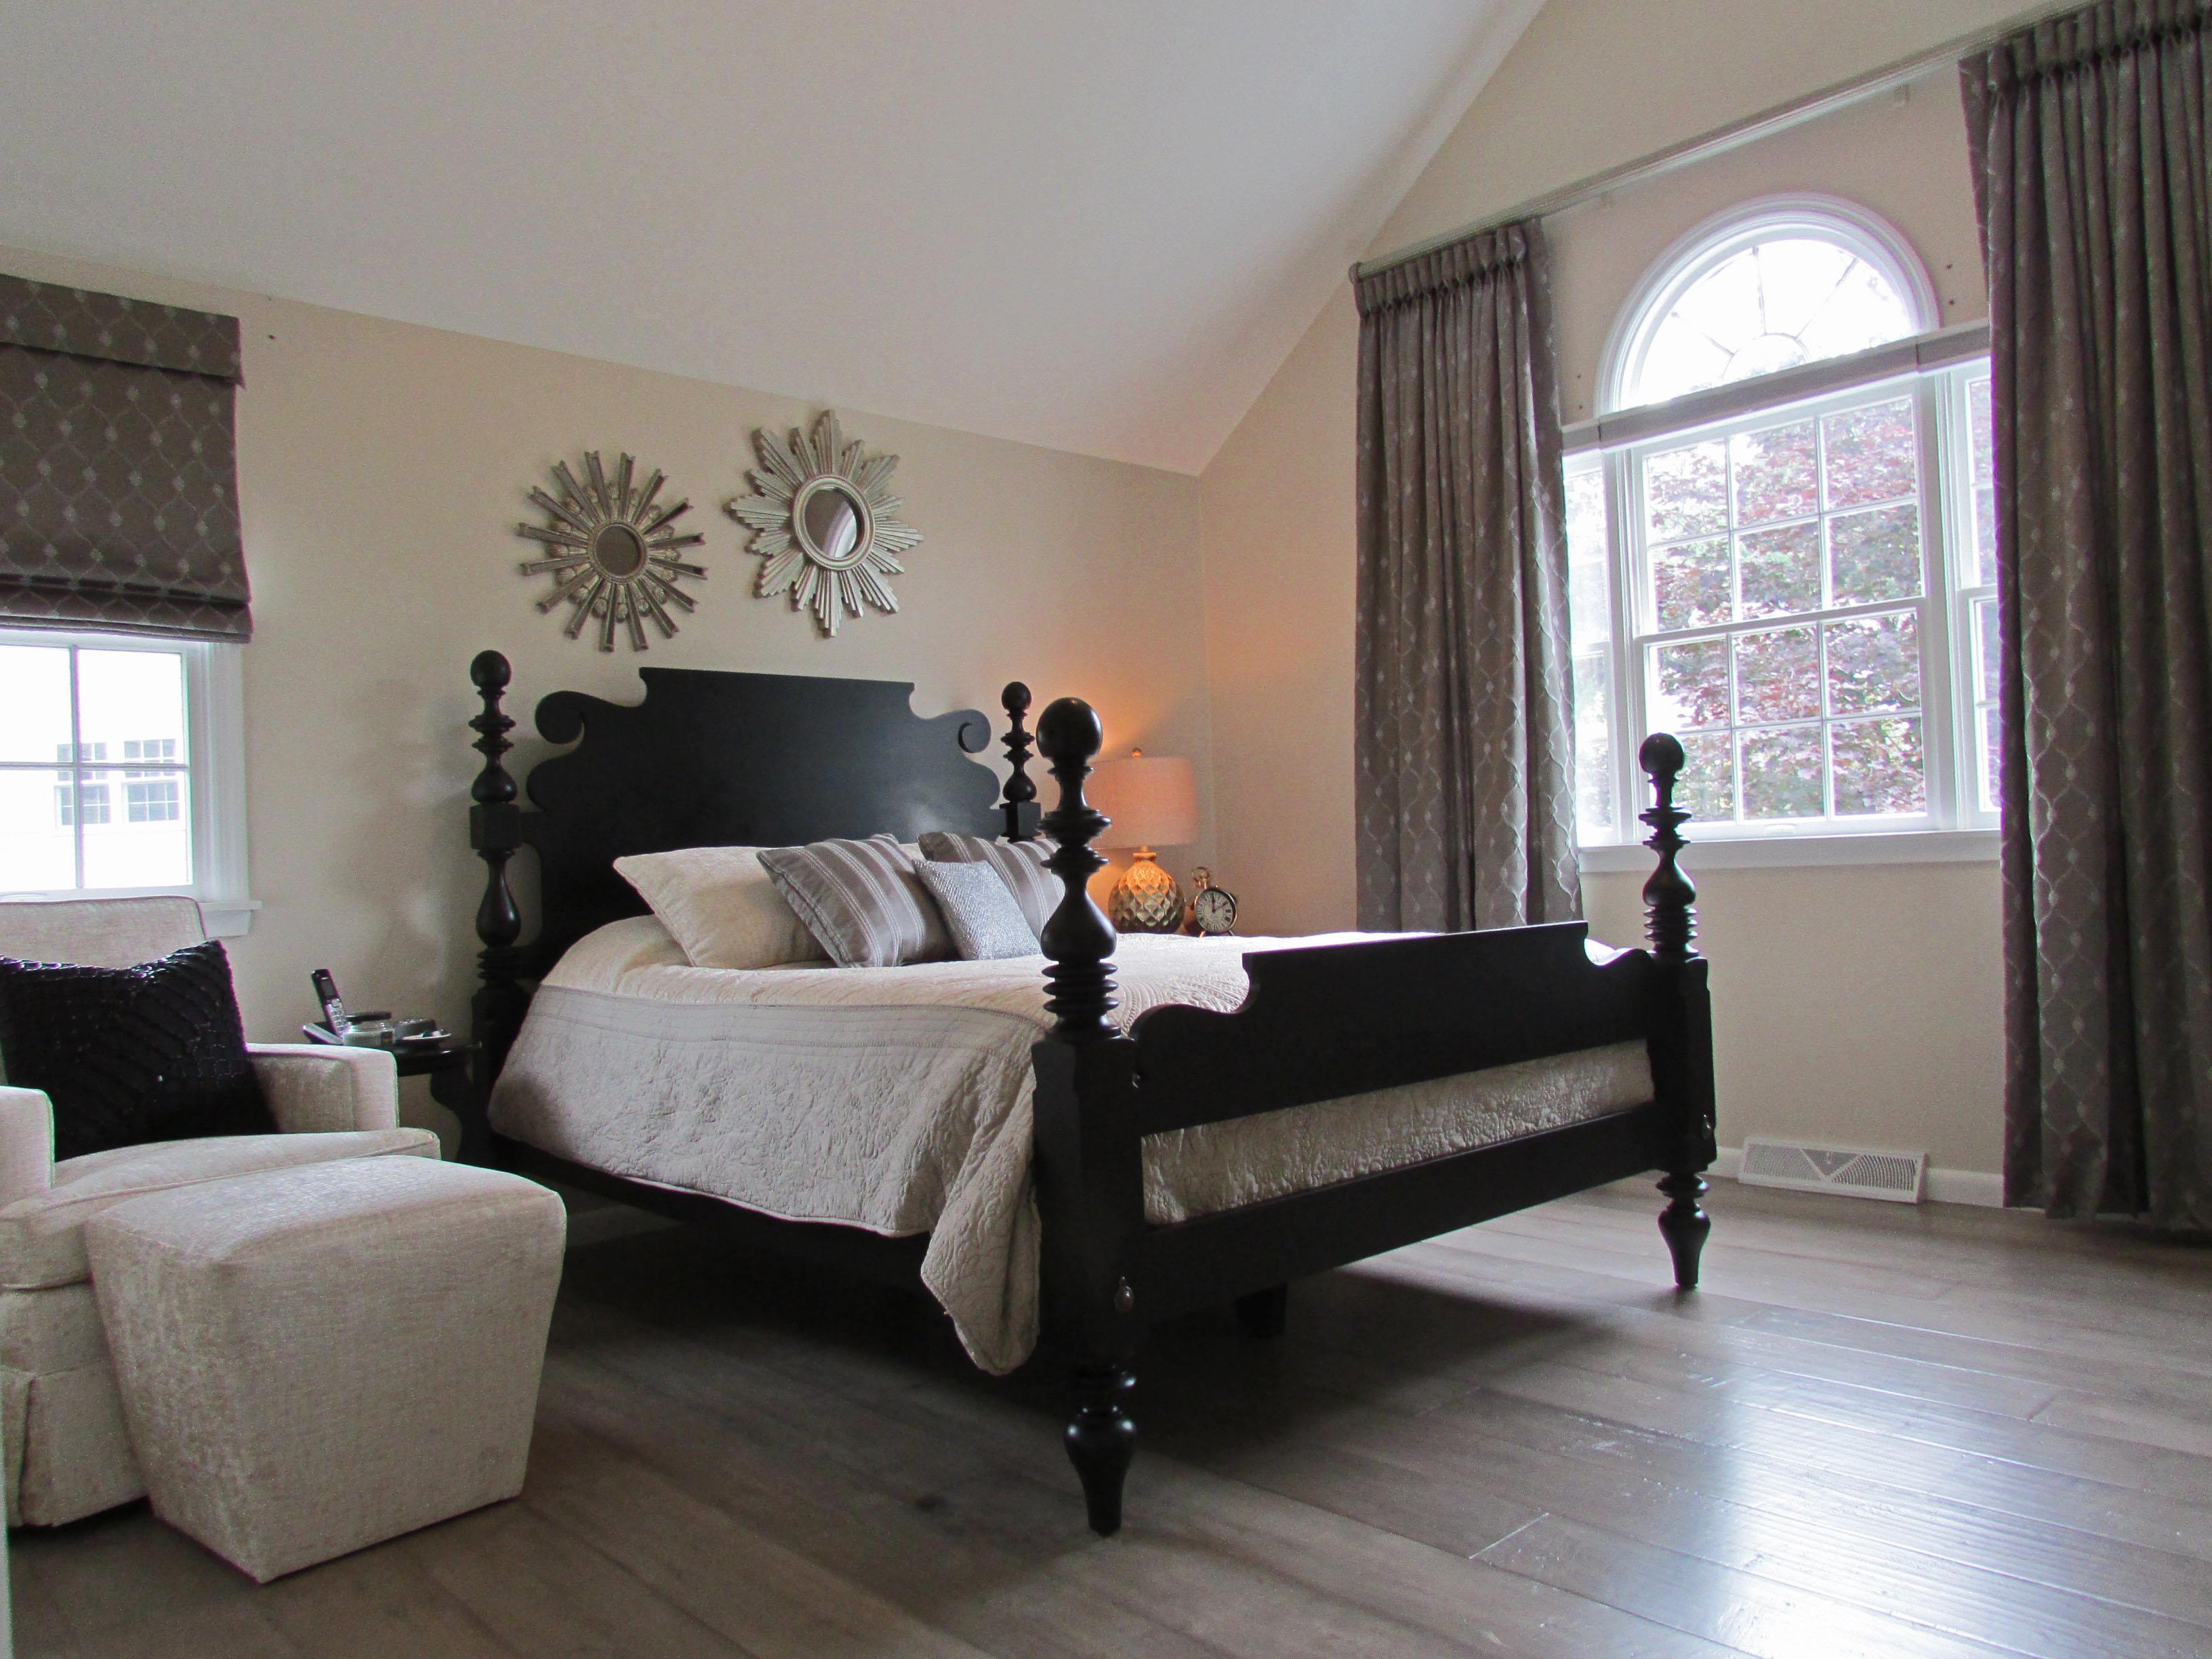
pixel 1150 801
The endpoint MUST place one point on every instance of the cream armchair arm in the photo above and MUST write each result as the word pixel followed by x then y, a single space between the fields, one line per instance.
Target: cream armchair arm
pixel 26 1143
pixel 318 1086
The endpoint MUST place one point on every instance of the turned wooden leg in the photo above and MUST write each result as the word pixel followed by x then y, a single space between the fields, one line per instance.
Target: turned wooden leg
pixel 1264 1313
pixel 1684 1224
pixel 1101 1441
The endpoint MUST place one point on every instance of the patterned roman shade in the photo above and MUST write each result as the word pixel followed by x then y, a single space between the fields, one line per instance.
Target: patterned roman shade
pixel 119 476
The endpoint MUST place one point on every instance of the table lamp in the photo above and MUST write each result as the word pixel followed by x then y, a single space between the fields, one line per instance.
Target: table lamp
pixel 1150 801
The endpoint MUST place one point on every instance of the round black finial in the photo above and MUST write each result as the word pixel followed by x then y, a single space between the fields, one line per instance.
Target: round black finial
pixel 490 672
pixel 1070 729
pixel 1015 699
pixel 1662 754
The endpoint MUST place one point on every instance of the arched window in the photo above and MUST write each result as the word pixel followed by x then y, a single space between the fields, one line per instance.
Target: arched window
pixel 1774 285
pixel 1779 541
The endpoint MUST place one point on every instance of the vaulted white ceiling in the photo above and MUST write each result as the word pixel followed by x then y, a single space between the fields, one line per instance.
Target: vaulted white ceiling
pixel 1097 225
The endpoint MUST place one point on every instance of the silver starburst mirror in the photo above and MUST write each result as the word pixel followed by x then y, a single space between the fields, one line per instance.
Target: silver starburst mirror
pixel 610 548
pixel 825 521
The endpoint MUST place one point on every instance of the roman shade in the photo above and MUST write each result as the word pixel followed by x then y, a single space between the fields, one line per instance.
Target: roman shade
pixel 119 476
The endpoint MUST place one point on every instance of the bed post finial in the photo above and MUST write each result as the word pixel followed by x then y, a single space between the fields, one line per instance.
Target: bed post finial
pixel 1682 1050
pixel 1078 938
pixel 1018 802
pixel 1669 896
pixel 494 832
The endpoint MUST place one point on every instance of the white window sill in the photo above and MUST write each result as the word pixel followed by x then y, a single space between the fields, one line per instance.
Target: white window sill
pixel 228 918
pixel 1793 852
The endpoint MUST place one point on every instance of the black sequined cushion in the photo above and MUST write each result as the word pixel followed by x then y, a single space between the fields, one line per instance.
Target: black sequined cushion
pixel 132 1055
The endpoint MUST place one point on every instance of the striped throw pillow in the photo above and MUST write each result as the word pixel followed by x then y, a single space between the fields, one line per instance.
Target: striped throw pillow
pixel 861 901
pixel 1020 865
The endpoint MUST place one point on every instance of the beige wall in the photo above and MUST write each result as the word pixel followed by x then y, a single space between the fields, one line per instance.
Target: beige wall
pixel 1857 1004
pixel 382 467
pixel 1903 155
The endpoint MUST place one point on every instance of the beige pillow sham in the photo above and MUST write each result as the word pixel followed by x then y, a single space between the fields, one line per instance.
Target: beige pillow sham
pixel 719 905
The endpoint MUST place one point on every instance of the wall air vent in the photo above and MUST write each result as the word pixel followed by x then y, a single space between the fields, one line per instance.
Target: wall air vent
pixel 1854 1171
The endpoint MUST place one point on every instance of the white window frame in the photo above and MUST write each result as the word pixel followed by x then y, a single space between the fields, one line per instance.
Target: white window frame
pixel 1933 368
pixel 214 715
pixel 1935 371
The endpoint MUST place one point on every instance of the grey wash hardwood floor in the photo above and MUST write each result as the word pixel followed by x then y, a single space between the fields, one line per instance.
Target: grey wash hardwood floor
pixel 1912 1433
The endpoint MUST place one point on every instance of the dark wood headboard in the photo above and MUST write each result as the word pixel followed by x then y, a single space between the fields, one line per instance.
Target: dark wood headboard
pixel 709 758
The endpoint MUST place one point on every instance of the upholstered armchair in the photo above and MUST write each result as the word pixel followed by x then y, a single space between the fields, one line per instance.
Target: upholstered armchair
pixel 67 1452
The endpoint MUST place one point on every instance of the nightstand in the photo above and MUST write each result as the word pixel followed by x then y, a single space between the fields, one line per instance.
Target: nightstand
pixel 451 1067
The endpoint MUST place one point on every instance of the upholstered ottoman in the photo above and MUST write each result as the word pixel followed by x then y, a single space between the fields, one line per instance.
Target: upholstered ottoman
pixel 315 1359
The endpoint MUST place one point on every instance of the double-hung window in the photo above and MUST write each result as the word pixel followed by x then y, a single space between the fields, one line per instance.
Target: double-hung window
pixel 119 769
pixel 1777 541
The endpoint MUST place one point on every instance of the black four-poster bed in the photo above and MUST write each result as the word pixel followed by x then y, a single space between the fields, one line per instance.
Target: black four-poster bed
pixel 713 758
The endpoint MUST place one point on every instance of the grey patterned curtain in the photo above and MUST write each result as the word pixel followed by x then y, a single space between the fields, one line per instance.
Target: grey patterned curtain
pixel 1465 729
pixel 2092 154
pixel 119 478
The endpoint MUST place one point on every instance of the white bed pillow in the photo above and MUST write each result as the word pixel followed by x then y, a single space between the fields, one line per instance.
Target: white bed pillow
pixel 719 904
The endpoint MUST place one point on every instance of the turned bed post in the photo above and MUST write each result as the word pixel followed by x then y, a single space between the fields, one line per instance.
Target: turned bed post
pixel 1090 1182
pixel 1018 800
pixel 494 832
pixel 1682 1056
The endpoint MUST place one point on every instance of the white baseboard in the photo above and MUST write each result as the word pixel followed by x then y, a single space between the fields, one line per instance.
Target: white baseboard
pixel 1975 1186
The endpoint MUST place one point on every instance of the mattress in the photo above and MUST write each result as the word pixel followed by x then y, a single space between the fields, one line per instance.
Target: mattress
pixel 898 1100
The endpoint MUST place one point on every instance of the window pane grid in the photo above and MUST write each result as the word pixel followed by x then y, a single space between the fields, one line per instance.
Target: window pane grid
pixel 1802 592
pixel 1775 558
pixel 105 812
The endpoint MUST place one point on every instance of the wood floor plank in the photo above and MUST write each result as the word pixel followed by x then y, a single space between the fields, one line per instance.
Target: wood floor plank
pixel 1602 1325
pixel 1947 1566
pixel 230 1630
pixel 1740 1610
pixel 1923 1433
pixel 376 1603
pixel 41 1629
pixel 552 1596
pixel 1204 1564
pixel 123 1567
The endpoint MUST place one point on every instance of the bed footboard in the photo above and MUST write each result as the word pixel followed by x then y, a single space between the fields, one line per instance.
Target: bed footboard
pixel 1321 1024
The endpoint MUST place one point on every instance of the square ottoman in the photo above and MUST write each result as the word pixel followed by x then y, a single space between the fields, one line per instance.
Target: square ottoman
pixel 312 1360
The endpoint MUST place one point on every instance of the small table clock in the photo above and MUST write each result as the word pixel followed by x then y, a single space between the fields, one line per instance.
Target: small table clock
pixel 1212 910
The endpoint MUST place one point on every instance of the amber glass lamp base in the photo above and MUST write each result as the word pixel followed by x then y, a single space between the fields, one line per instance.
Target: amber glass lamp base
pixel 1146 899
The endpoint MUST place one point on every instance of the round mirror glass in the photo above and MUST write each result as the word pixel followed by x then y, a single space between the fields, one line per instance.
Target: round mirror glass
pixel 617 549
pixel 830 516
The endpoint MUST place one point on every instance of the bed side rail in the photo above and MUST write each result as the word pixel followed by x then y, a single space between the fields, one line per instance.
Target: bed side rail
pixel 1327 1021
pixel 1333 1020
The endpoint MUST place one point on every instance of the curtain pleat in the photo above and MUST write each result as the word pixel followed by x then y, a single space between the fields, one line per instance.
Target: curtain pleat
pixel 2090 140
pixel 1465 761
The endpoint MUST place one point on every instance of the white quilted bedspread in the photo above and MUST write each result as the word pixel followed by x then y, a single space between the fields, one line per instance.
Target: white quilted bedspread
pixel 897 1100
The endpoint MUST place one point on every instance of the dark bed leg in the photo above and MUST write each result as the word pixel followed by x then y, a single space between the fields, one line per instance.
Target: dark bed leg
pixel 1682 1040
pixel 1264 1313
pixel 1684 1224
pixel 1090 1178
pixel 1102 1439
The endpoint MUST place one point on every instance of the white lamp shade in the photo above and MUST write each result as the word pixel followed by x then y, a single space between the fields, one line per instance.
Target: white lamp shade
pixel 1153 803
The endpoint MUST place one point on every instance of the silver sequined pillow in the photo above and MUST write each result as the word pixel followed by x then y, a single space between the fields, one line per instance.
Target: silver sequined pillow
pixel 1020 865
pixel 979 914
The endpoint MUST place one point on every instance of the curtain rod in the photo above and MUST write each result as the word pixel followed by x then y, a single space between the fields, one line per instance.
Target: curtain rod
pixel 1779 119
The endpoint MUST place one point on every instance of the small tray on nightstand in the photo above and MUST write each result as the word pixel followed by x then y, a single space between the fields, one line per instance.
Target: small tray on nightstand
pixel 431 1045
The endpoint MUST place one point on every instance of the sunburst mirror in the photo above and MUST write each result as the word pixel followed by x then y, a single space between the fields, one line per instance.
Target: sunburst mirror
pixel 610 550
pixel 825 521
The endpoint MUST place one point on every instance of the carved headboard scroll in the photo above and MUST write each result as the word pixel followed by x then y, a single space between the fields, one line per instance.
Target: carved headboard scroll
pixel 710 759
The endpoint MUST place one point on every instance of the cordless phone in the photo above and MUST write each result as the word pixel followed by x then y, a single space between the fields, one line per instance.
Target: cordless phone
pixel 326 993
